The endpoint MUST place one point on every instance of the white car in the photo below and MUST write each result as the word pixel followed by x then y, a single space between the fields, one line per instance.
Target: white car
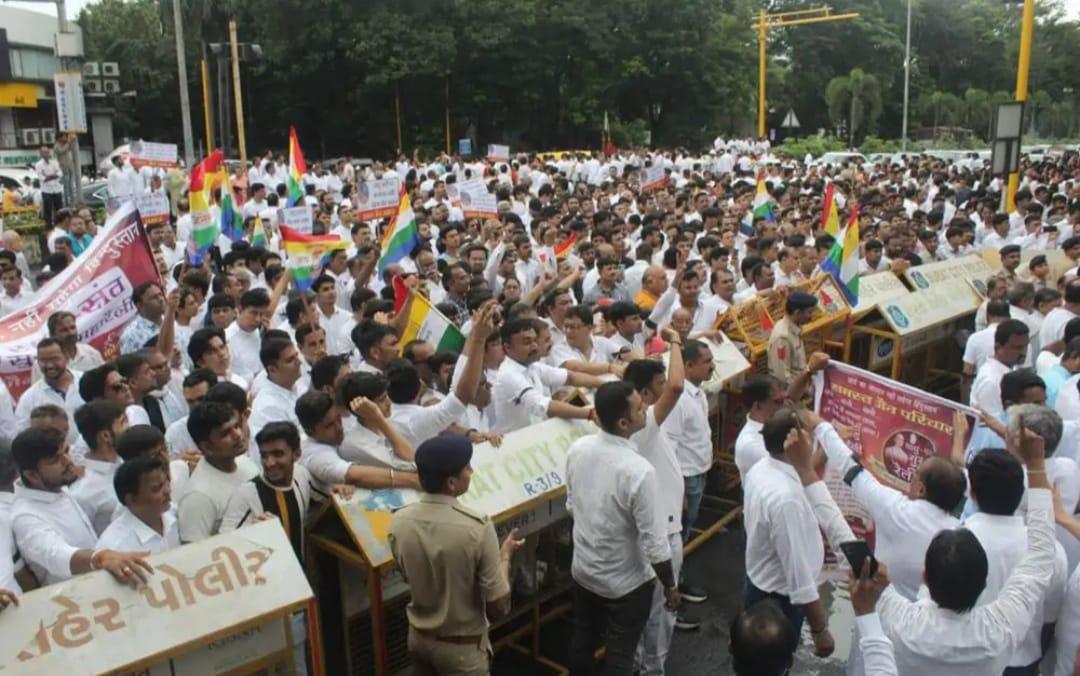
pixel 11 178
pixel 834 159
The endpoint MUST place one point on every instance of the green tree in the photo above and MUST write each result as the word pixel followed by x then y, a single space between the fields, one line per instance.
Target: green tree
pixel 856 99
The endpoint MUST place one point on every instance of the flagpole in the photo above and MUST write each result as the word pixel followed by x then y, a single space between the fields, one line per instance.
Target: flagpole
pixel 236 90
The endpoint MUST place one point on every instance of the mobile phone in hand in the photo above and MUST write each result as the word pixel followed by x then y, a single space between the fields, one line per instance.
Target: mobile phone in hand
pixel 856 552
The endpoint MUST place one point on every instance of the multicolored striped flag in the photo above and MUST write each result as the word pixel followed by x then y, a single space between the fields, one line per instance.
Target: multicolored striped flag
pixel 203 229
pixel 297 169
pixel 830 216
pixel 426 323
pixel 566 246
pixel 763 200
pixel 232 217
pixel 306 255
pixel 401 235
pixel 843 260
pixel 258 234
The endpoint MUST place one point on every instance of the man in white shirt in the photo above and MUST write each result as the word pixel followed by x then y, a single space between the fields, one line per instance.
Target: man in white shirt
pixel 980 345
pixel 100 423
pixel 660 393
pixel 619 548
pixel 523 385
pixel 59 386
pixel 784 551
pixel 81 356
pixel 13 298
pixel 1010 349
pixel 217 431
pixel 583 350
pixel 331 317
pixel 321 420
pixel 53 534
pixel 145 521
pixel 52 190
pixel 419 423
pixel 244 336
pixel 276 400
pixel 997 487
pixel 948 634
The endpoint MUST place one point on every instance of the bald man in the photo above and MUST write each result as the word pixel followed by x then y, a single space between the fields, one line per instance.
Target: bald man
pixel 653 285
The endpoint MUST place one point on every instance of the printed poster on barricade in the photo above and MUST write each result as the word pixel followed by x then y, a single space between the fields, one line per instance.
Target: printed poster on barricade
pixel 96 288
pixel 476 201
pixel 877 288
pixel 942 302
pixel 653 177
pixel 378 198
pixel 968 268
pixel 526 470
pixel 297 218
pixel 147 154
pixel 893 427
pixel 153 207
pixel 205 610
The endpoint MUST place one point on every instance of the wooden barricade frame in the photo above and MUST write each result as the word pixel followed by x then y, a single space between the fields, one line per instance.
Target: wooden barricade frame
pixel 346 533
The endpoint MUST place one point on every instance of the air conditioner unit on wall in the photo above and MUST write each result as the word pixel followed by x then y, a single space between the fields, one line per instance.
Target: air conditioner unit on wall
pixel 30 137
pixel 111 86
pixel 91 69
pixel 110 69
pixel 92 86
pixel 48 136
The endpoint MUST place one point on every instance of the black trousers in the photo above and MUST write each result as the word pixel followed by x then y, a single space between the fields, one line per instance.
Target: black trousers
pixel 616 623
pixel 50 204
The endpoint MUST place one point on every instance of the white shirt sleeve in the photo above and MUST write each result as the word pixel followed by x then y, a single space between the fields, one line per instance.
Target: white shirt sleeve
pixel 654 541
pixel 828 515
pixel 40 544
pixel 791 538
pixel 326 466
pixel 431 420
pixel 874 496
pixel 876 648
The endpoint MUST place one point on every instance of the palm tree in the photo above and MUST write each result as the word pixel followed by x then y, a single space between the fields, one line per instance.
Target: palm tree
pixel 856 99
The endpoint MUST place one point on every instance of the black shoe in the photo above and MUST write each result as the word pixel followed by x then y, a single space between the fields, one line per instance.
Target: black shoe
pixel 684 623
pixel 692 594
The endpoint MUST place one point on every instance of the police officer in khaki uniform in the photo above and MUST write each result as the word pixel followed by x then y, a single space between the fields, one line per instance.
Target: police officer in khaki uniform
pixel 787 354
pixel 451 558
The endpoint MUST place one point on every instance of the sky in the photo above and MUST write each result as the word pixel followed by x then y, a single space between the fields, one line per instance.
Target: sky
pixel 1072 7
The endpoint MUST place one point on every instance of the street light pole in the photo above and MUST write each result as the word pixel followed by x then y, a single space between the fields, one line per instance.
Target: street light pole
pixel 181 69
pixel 1022 68
pixel 907 79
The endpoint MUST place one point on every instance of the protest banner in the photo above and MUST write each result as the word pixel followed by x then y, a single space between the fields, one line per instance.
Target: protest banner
pixel 153 207
pixel 147 154
pixel 96 288
pixel 497 153
pixel 653 177
pixel 209 608
pixel 297 218
pixel 476 201
pixel 967 268
pixel 894 428
pixel 378 198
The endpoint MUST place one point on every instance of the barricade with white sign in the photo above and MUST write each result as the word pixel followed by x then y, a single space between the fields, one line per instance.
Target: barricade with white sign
pixel 362 596
pixel 222 606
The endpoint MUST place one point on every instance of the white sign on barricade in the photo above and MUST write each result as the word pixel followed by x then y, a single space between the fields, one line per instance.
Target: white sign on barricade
pixel 208 609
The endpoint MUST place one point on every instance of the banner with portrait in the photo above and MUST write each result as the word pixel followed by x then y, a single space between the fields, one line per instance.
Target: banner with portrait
pixel 893 427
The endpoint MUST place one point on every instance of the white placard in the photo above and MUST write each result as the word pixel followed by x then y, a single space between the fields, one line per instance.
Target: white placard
pixel 653 177
pixel 476 201
pixel 70 103
pixel 297 218
pixel 147 154
pixel 498 153
pixel 153 207
pixel 378 198
pixel 92 624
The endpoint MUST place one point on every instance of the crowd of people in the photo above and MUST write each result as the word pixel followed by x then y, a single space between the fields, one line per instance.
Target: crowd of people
pixel 238 394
